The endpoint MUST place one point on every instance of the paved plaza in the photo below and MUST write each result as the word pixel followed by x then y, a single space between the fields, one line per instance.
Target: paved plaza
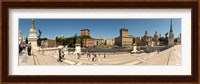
pixel 171 56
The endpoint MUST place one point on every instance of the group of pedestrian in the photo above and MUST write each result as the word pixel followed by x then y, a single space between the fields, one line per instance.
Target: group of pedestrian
pixel 92 55
pixel 23 46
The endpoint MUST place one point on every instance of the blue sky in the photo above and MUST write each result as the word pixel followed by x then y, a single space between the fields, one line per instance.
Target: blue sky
pixel 106 28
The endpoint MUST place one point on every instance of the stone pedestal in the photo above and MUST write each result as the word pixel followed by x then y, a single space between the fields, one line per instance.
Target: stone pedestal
pixel 33 38
pixel 134 48
pixel 78 48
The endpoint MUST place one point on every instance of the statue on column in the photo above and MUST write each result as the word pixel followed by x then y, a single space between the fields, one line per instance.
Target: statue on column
pixel 78 45
pixel 78 40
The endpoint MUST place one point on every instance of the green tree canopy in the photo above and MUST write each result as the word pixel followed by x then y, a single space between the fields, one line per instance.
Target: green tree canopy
pixel 70 41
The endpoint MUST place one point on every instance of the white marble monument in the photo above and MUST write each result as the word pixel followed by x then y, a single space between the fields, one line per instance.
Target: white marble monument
pixel 134 48
pixel 32 38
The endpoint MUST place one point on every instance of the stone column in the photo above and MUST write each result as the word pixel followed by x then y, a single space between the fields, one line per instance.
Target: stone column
pixel 78 46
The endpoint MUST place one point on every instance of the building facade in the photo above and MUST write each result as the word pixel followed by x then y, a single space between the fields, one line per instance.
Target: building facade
pixel 146 39
pixel 49 43
pixel 110 42
pixel 98 41
pixel 124 40
pixel 85 32
pixel 91 42
pixel 156 39
pixel 88 42
pixel 138 41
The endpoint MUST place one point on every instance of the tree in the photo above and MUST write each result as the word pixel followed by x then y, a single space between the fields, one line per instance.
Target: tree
pixel 71 41
pixel 163 40
pixel 26 41
pixel 75 35
pixel 56 38
pixel 43 39
pixel 39 41
pixel 176 40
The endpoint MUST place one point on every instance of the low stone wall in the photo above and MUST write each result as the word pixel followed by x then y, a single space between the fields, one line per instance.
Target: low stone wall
pixel 146 49
pixel 149 49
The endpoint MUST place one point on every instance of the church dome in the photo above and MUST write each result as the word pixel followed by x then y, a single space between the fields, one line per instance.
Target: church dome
pixel 146 35
pixel 156 35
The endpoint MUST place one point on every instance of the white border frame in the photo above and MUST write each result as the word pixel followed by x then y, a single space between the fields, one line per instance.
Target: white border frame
pixel 15 14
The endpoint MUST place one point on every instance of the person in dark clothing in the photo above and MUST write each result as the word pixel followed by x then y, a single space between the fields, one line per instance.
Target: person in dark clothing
pixel 79 55
pixel 29 49
pixel 94 57
pixel 63 54
pixel 158 50
pixel 88 55
pixel 20 48
pixel 104 55
pixel 60 56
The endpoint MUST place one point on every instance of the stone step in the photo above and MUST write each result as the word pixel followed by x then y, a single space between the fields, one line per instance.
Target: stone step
pixel 67 61
pixel 132 63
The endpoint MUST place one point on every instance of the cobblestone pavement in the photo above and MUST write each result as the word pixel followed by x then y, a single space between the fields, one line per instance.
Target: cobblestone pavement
pixel 170 56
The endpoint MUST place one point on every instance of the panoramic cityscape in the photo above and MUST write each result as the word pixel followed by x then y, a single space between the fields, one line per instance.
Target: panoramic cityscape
pixel 99 42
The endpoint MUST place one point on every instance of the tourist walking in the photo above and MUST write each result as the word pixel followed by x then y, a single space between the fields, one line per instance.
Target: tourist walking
pixel 20 48
pixel 158 50
pixel 60 55
pixel 104 55
pixel 63 54
pixel 79 55
pixel 94 58
pixel 29 49
pixel 88 55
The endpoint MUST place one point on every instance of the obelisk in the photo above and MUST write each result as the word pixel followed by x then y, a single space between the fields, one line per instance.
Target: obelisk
pixel 171 36
pixel 32 38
